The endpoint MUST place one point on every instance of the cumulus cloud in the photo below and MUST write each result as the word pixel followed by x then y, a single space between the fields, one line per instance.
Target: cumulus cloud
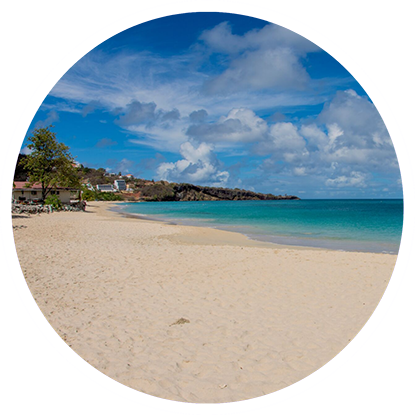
pixel 172 115
pixel 355 179
pixel 137 113
pixel 342 148
pixel 221 39
pixel 198 116
pixel 198 165
pixel 285 136
pixel 258 70
pixel 357 118
pixel 260 59
pixel 240 125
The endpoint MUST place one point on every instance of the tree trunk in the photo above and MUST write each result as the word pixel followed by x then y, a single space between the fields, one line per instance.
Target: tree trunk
pixel 43 193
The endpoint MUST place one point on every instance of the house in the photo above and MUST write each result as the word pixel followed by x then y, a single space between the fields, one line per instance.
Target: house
pixel 129 176
pixel 88 184
pixel 105 187
pixel 120 185
pixel 23 192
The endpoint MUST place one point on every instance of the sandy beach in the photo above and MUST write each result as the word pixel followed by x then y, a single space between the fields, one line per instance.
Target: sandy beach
pixel 194 314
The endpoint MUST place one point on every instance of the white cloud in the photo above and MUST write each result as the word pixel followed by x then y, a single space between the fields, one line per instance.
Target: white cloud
pixel 240 125
pixel 285 136
pixel 258 70
pixel 316 138
pixel 334 131
pixel 26 151
pixel 164 111
pixel 337 149
pixel 299 171
pixel 221 39
pixel 260 59
pixel 356 179
pixel 199 165
pixel 357 118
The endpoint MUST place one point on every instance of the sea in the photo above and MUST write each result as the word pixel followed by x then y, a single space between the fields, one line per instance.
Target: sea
pixel 348 225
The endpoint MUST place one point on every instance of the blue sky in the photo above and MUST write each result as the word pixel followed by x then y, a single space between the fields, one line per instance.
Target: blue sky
pixel 223 100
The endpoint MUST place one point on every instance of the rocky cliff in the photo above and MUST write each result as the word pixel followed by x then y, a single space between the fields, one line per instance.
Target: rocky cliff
pixel 164 191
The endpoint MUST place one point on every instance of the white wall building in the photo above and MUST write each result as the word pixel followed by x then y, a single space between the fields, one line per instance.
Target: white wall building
pixel 105 187
pixel 120 185
pixel 33 193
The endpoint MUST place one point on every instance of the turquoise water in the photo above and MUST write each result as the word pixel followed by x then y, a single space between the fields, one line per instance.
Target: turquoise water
pixel 354 225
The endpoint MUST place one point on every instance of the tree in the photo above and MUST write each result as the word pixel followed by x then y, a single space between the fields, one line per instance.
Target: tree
pixel 50 162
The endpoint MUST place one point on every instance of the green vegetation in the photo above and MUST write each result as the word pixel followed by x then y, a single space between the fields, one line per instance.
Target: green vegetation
pixel 60 171
pixel 90 195
pixel 54 201
pixel 108 196
pixel 49 162
pixel 94 176
pixel 162 191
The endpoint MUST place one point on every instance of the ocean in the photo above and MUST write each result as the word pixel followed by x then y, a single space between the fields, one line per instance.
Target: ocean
pixel 350 225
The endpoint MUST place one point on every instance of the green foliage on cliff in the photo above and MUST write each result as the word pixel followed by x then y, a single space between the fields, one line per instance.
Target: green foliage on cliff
pixel 159 192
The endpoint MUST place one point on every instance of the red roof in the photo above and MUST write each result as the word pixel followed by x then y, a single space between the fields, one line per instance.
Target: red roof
pixel 26 186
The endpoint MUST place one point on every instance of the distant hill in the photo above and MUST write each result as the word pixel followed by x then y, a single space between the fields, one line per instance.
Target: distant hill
pixel 149 190
pixel 164 191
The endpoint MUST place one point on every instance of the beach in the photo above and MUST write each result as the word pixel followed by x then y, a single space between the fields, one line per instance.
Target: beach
pixel 194 314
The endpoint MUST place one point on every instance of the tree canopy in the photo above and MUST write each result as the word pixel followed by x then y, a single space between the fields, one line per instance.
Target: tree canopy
pixel 49 162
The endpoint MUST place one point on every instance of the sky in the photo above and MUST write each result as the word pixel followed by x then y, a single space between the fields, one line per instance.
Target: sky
pixel 223 100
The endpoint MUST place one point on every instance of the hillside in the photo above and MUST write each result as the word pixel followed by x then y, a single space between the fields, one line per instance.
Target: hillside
pixel 164 191
pixel 149 190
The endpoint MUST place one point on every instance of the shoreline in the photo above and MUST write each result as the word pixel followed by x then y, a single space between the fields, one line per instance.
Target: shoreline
pixel 194 314
pixel 272 240
pixel 234 237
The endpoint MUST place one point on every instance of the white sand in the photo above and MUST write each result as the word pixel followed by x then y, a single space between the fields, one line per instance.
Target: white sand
pixel 260 316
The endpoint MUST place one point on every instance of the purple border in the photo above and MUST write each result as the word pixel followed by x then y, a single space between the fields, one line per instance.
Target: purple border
pixel 377 371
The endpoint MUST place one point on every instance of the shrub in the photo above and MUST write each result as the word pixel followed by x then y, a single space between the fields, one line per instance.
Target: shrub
pixel 107 196
pixel 54 201
pixel 89 195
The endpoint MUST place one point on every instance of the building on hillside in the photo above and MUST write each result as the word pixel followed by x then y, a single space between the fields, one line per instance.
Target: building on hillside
pixel 23 192
pixel 129 176
pixel 120 185
pixel 88 184
pixel 107 174
pixel 105 187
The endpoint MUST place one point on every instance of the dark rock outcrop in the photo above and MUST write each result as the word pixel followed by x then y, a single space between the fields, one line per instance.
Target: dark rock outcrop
pixel 164 191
